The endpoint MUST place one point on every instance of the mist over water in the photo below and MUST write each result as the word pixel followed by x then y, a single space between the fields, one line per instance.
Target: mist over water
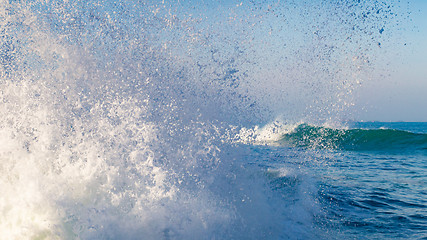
pixel 136 120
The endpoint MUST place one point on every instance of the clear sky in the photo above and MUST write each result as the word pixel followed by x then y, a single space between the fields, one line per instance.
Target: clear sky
pixel 399 90
pixel 394 86
pixel 299 75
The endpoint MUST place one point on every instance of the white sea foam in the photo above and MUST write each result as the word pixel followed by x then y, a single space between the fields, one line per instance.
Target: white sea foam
pixel 268 134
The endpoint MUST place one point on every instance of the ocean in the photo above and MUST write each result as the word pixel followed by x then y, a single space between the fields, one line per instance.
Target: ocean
pixel 371 184
pixel 212 120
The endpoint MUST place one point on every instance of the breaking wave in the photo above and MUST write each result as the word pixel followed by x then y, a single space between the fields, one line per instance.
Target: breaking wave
pixel 310 136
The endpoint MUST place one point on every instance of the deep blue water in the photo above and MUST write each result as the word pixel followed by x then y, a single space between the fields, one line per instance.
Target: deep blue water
pixel 366 193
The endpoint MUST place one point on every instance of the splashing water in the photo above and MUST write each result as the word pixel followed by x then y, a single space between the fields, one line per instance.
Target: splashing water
pixel 124 120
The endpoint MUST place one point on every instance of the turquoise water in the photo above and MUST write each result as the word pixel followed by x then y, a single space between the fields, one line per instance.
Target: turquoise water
pixel 372 184
pixel 346 183
pixel 189 120
pixel 399 138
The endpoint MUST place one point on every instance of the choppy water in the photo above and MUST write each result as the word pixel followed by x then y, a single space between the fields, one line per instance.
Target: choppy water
pixel 189 120
pixel 373 184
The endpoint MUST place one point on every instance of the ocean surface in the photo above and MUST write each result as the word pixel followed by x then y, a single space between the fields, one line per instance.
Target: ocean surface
pixel 201 120
pixel 371 183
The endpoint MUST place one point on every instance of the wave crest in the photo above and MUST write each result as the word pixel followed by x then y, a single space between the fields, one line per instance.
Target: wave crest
pixel 309 136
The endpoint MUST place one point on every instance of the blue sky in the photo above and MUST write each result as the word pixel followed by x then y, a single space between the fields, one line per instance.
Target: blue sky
pixel 395 89
pixel 399 91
